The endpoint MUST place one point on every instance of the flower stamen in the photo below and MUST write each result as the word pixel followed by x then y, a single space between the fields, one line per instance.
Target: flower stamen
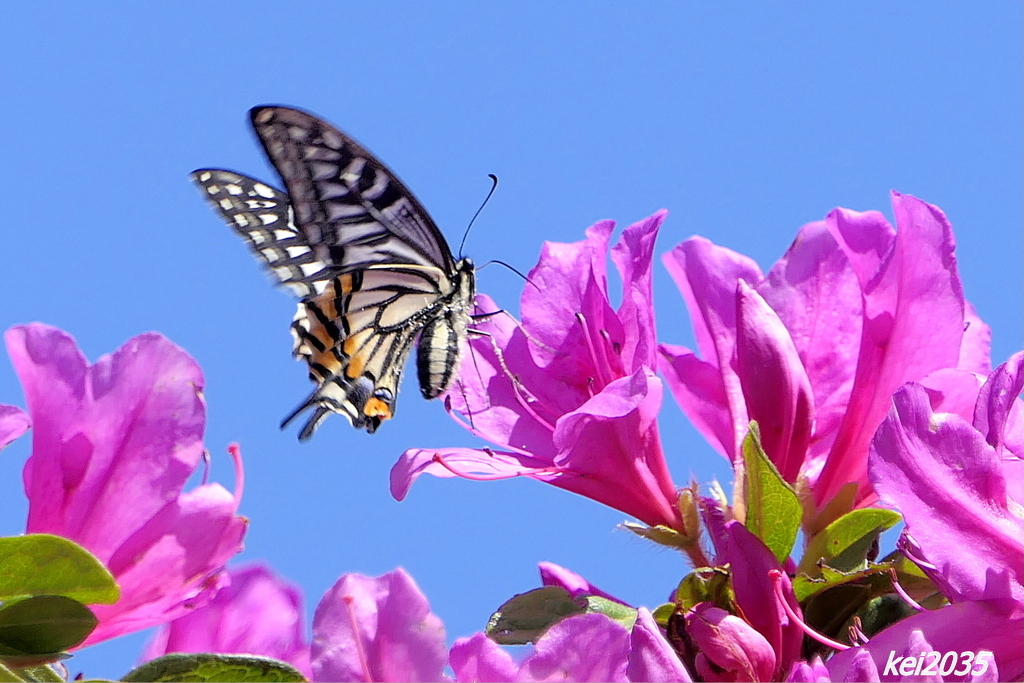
pixel 776 577
pixel 357 638
pixel 440 460
pixel 900 591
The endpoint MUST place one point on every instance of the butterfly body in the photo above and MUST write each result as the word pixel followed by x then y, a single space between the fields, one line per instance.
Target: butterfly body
pixel 374 274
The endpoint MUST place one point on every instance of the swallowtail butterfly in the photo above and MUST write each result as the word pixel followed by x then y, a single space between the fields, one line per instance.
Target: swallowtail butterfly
pixel 372 270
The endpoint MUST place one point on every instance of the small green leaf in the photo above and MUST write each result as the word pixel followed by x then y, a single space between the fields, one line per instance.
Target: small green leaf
pixel 773 508
pixel 623 614
pixel 214 667
pixel 43 624
pixel 844 543
pixel 525 617
pixel 660 534
pixel 706 584
pixel 662 613
pixel 805 586
pixel 42 564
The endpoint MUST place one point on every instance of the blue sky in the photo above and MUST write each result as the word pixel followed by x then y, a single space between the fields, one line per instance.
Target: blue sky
pixel 744 121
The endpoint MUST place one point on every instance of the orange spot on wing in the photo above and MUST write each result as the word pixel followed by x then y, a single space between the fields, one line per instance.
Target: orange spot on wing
pixel 350 345
pixel 377 408
pixel 355 366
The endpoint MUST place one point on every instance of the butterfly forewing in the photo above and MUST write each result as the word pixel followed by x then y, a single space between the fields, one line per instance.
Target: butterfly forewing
pixel 372 270
pixel 344 197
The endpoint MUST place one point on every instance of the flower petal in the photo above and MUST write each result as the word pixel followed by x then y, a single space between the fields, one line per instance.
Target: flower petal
pixel 634 256
pixel 609 451
pixel 939 472
pixel 468 463
pixel 124 434
pixel 651 658
pixel 944 630
pixel 750 561
pixel 976 348
pixel 377 629
pixel 586 647
pixel 569 285
pixel 478 658
pixel 728 648
pixel 776 389
pixel 256 613
pixel 809 672
pixel 999 414
pixel 914 321
pixel 172 564
pixel 552 574
pixel 13 423
pixel 697 387
pixel 707 275
pixel 815 292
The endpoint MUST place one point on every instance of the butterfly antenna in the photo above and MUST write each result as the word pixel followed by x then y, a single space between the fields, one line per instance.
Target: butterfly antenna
pixel 502 263
pixel 494 186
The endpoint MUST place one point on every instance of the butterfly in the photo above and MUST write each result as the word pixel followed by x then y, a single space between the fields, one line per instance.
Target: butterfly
pixel 372 270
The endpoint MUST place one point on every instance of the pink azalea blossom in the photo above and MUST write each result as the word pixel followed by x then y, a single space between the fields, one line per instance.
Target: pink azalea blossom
pixel 814 350
pixel 112 447
pixel 572 398
pixel 377 629
pixel 946 477
pixel 257 613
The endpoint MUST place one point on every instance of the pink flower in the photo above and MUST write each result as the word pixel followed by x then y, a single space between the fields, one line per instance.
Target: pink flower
pixel 814 350
pixel 256 613
pixel 572 399
pixel 112 447
pixel 586 647
pixel 377 629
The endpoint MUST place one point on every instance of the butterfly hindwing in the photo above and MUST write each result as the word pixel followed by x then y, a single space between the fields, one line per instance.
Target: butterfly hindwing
pixel 372 270
pixel 262 215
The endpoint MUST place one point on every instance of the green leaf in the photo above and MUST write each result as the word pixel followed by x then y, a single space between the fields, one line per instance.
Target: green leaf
pixel 214 667
pixel 526 616
pixel 844 544
pixel 623 614
pixel 42 564
pixel 43 625
pixel 43 674
pixel 662 613
pixel 773 508
pixel 8 676
pixel 805 586
pixel 706 584
pixel 660 534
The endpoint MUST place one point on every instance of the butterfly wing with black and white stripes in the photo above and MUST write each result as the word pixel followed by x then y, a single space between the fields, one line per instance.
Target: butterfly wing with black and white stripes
pixel 373 271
